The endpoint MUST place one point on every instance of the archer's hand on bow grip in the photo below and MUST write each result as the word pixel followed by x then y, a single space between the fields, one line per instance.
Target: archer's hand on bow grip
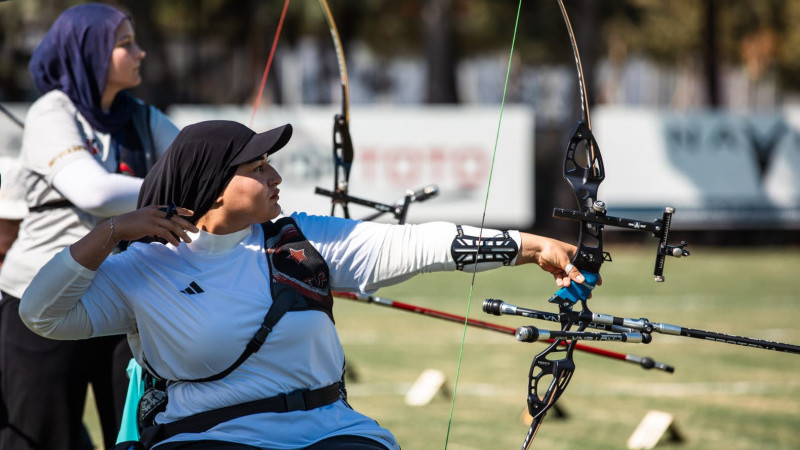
pixel 578 291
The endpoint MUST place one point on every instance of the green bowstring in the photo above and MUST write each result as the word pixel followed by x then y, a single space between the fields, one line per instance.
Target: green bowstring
pixel 483 221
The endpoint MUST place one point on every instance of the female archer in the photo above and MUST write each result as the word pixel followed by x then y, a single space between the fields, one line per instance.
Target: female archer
pixel 230 302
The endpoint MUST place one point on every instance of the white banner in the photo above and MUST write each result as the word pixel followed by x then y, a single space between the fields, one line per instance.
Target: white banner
pixel 717 169
pixel 12 204
pixel 401 149
pixel 10 132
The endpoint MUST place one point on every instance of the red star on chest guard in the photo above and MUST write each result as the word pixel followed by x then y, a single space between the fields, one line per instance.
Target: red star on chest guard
pixel 297 255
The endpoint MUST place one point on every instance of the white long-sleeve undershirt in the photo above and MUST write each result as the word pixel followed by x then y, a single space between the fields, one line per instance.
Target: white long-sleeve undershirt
pixel 409 250
pixel 51 305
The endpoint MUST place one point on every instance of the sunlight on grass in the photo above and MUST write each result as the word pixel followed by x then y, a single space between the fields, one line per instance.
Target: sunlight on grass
pixel 722 396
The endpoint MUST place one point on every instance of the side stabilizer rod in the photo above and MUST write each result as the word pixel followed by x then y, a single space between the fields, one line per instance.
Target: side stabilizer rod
pixel 644 362
pixel 533 334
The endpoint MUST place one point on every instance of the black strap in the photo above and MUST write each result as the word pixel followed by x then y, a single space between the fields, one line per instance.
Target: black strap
pixel 280 306
pixel 51 205
pixel 300 400
pixel 284 299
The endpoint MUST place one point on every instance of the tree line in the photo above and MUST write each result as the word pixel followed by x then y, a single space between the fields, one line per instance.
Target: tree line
pixel 710 34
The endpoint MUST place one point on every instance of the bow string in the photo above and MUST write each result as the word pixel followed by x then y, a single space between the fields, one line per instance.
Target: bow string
pixel 483 221
pixel 260 91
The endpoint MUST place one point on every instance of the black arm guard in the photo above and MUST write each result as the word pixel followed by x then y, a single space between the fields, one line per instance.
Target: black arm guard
pixel 465 249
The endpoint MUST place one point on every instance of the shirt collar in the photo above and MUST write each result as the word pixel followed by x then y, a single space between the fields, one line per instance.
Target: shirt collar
pixel 208 243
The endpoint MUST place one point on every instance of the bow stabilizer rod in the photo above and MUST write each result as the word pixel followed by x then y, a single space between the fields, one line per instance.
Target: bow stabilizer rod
pixel 399 210
pixel 644 362
pixel 533 334
pixel 499 307
pixel 646 327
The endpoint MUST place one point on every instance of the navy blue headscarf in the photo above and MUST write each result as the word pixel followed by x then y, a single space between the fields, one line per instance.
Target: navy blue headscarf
pixel 74 57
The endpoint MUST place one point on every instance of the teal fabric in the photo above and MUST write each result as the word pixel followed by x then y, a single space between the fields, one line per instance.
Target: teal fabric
pixel 128 430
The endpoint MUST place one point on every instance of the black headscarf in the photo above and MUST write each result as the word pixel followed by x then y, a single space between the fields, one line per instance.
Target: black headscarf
pixel 74 57
pixel 202 160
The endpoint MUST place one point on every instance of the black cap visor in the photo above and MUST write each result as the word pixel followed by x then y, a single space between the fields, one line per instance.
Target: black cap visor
pixel 267 142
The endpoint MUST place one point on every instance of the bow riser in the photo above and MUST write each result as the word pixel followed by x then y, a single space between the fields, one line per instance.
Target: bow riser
pixel 342 161
pixel 584 171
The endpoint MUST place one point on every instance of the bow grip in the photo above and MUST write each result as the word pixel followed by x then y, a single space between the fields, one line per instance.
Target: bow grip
pixel 578 291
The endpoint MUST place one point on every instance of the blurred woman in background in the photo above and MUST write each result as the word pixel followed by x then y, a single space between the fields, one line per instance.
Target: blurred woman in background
pixel 86 146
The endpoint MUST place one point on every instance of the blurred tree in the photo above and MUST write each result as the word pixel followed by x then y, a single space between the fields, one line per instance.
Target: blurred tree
pixel 213 51
pixel 788 51
pixel 721 34
pixel 440 51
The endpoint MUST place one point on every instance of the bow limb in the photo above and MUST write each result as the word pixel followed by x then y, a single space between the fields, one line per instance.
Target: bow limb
pixel 342 143
pixel 337 42
pixel 578 65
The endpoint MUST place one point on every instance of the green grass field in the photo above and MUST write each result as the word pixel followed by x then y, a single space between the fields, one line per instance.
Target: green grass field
pixel 721 396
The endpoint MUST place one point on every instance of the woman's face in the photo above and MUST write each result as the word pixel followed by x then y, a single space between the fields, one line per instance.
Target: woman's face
pixel 126 59
pixel 252 194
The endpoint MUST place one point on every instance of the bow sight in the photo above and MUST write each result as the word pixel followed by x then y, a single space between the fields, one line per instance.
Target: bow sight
pixel 584 171
pixel 659 227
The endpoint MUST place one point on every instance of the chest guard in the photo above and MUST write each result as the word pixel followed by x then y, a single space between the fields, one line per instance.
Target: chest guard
pixel 296 268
